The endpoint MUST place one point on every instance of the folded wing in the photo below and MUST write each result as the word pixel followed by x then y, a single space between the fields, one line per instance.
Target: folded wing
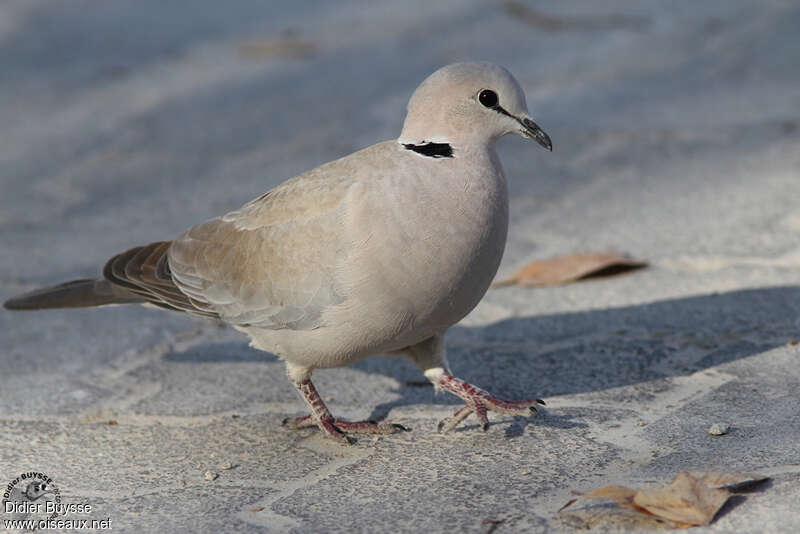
pixel 271 264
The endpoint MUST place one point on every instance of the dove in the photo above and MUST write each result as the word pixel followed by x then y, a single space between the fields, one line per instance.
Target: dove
pixel 379 252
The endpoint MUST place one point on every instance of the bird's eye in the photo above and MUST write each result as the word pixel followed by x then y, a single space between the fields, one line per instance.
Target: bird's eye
pixel 488 98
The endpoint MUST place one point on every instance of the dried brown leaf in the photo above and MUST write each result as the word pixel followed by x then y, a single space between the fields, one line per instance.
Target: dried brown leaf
pixel 691 499
pixel 685 500
pixel 610 518
pixel 564 269
pixel 547 22
pixel 620 494
pixel 287 46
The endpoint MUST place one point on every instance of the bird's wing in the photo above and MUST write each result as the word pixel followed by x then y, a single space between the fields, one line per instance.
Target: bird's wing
pixel 272 263
pixel 136 275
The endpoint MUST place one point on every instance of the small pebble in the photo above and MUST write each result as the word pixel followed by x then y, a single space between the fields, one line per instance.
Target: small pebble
pixel 226 466
pixel 210 476
pixel 719 429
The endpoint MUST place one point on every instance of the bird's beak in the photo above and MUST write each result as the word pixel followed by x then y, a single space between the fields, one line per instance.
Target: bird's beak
pixel 531 130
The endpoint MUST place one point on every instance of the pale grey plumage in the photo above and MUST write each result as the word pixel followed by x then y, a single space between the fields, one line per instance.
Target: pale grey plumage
pixel 377 252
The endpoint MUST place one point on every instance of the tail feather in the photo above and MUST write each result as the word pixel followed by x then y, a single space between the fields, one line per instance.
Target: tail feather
pixel 76 294
pixel 137 276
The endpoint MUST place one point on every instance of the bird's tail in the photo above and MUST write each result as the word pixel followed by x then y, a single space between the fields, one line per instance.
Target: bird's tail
pixel 76 294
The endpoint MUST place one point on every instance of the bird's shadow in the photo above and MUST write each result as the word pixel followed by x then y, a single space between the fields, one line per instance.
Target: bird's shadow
pixel 578 352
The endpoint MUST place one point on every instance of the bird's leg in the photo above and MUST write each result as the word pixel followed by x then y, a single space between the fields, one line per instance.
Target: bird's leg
pixel 321 416
pixel 430 356
pixel 477 401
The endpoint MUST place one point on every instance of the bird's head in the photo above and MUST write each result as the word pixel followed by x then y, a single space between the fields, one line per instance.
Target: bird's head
pixel 467 103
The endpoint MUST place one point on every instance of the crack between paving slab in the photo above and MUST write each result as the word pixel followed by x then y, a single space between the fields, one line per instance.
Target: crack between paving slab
pixel 113 375
pixel 685 389
pixel 78 492
pixel 133 359
pixel 266 517
pixel 278 409
pixel 102 415
pixel 625 434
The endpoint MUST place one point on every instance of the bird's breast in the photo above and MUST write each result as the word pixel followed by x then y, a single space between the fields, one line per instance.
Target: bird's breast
pixel 433 245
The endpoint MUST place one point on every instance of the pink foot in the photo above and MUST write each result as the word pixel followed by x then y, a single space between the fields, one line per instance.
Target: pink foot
pixel 336 429
pixel 480 402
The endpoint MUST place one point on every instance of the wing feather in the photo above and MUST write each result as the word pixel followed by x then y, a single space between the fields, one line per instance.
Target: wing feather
pixel 273 262
pixel 144 272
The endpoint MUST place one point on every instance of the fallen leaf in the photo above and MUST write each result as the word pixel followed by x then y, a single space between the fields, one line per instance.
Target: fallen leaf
pixel 686 500
pixel 564 269
pixel 609 518
pixel 287 46
pixel 544 21
pixel 691 499
pixel 615 493
pixel 620 494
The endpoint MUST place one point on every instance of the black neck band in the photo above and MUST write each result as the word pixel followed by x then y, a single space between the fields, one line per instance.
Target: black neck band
pixel 431 150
